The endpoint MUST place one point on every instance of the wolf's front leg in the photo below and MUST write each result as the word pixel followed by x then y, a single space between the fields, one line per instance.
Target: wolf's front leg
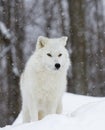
pixel 25 114
pixel 33 112
pixel 59 108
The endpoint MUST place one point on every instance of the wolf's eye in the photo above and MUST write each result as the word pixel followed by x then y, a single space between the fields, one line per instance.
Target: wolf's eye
pixel 60 55
pixel 49 54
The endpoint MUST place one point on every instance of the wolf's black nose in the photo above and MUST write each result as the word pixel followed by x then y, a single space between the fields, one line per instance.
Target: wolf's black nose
pixel 57 65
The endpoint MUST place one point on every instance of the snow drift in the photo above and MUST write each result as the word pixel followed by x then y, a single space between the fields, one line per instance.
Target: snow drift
pixel 79 113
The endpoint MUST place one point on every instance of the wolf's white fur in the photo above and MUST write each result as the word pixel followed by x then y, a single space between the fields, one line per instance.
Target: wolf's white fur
pixel 42 84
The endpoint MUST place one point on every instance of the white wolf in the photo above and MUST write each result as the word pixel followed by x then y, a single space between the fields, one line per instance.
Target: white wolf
pixel 43 81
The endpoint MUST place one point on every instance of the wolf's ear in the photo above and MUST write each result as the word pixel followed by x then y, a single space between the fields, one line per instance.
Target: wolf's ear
pixel 64 40
pixel 41 42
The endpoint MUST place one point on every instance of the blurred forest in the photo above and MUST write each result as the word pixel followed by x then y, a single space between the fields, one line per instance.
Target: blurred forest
pixel 22 21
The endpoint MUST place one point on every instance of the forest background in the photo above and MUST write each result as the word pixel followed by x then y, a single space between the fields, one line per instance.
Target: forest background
pixel 22 21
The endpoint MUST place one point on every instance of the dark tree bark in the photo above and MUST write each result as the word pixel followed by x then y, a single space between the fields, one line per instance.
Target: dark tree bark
pixel 78 45
pixel 13 19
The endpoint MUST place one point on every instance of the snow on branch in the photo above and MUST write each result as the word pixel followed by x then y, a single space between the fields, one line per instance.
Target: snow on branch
pixel 4 31
pixel 4 51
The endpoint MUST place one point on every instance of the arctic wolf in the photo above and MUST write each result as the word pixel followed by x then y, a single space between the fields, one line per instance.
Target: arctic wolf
pixel 43 81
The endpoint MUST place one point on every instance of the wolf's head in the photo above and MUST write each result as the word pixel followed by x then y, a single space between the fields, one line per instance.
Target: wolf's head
pixel 52 53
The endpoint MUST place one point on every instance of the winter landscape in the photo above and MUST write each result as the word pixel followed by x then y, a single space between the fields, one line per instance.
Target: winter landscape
pixel 83 22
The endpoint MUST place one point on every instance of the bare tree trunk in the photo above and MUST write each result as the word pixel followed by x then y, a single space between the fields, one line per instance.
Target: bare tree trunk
pixel 48 8
pixel 99 90
pixel 13 19
pixel 78 44
pixel 17 61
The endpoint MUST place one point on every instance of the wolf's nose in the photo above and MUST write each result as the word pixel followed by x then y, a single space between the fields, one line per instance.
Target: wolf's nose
pixel 57 65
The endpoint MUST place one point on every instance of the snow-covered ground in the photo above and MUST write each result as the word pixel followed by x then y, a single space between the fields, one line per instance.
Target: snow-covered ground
pixel 79 113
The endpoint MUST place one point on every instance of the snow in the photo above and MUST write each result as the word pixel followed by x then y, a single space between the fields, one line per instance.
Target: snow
pixel 4 30
pixel 79 113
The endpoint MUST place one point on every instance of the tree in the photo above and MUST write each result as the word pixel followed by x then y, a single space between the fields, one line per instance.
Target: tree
pixel 95 46
pixel 13 20
pixel 78 45
pixel 88 46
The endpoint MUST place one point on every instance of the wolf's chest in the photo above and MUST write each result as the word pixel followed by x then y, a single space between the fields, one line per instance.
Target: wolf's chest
pixel 48 84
